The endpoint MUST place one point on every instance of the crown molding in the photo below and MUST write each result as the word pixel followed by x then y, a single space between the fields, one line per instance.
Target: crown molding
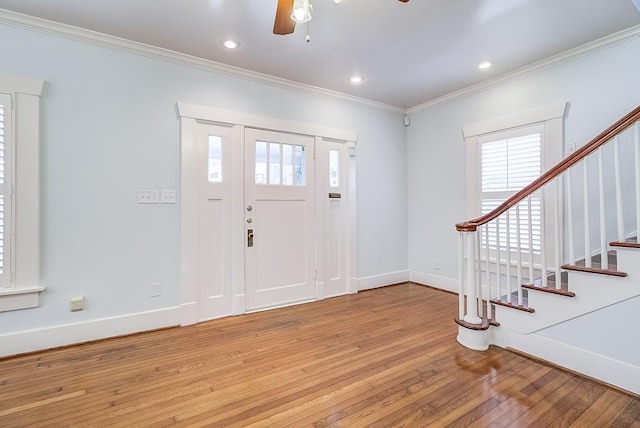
pixel 112 42
pixel 136 48
pixel 606 42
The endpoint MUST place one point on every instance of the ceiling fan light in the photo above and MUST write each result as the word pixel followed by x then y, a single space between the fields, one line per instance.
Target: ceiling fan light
pixel 301 11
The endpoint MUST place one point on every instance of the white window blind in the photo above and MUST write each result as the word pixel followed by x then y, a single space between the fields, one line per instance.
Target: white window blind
pixel 510 161
pixel 5 189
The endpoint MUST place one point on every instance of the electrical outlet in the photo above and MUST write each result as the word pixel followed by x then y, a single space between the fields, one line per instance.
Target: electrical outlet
pixel 76 304
pixel 156 289
pixel 149 196
pixel 168 197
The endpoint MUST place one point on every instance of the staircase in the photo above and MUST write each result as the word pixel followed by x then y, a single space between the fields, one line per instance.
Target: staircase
pixel 563 302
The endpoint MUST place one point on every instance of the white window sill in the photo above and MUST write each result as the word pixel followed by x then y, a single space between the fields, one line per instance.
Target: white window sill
pixel 12 299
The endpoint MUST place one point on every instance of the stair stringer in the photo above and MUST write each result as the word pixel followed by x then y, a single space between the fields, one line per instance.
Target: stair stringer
pixel 518 330
pixel 593 292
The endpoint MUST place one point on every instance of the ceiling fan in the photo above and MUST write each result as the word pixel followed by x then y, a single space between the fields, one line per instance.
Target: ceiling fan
pixel 284 23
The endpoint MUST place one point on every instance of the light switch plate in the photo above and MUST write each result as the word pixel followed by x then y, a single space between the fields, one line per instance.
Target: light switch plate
pixel 168 197
pixel 149 196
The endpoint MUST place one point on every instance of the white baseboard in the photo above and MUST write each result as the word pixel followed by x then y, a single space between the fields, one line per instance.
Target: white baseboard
pixel 188 313
pixel 69 334
pixel 435 281
pixel 614 372
pixel 369 282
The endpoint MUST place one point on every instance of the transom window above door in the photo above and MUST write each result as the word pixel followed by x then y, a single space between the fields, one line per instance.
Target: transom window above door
pixel 280 164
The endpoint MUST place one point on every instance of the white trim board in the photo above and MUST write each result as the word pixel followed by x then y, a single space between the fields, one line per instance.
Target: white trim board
pixel 376 281
pixel 614 372
pixel 528 117
pixel 230 117
pixel 81 332
pixel 435 281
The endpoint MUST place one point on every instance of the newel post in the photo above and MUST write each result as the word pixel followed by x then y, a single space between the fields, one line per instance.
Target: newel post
pixel 467 248
pixel 471 332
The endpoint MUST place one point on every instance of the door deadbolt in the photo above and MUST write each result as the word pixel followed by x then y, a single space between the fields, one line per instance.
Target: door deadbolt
pixel 249 208
pixel 249 237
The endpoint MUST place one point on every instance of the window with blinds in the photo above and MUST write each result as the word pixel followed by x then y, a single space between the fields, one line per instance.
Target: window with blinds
pixel 5 188
pixel 509 161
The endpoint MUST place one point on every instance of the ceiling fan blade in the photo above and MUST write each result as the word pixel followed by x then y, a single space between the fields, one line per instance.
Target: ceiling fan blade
pixel 283 23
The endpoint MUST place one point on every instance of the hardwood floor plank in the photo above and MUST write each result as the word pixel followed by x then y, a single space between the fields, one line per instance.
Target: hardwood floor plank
pixel 384 357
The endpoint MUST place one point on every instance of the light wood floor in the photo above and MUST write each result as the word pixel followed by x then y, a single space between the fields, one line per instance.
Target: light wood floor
pixel 386 357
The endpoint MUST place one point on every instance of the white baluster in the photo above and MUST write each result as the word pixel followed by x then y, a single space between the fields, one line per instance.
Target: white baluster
pixel 479 291
pixel 616 152
pixel 543 239
pixel 587 230
pixel 498 260
pixel 530 230
pixel 572 245
pixel 472 297
pixel 519 260
pixel 508 266
pixel 637 167
pixel 604 259
pixel 488 258
pixel 558 234
pixel 461 265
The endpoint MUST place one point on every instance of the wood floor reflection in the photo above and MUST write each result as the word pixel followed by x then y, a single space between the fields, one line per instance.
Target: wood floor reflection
pixel 385 357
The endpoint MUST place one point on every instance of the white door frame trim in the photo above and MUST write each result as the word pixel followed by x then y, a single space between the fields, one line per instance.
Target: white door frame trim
pixel 190 115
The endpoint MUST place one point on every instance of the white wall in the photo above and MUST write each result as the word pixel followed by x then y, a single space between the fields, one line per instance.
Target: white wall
pixel 110 127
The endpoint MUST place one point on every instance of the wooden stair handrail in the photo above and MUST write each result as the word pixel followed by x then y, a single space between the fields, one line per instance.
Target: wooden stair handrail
pixel 604 137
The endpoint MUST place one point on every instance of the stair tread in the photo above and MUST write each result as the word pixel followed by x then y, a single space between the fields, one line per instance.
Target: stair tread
pixel 595 268
pixel 486 323
pixel 504 301
pixel 551 285
pixel 596 265
pixel 550 288
pixel 627 243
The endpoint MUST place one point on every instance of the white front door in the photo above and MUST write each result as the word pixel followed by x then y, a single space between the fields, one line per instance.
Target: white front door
pixel 279 219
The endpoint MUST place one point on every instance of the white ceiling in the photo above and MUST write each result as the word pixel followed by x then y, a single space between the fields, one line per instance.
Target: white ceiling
pixel 409 53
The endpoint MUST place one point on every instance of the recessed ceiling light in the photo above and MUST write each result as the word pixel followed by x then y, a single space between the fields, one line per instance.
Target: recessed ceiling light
pixel 484 65
pixel 230 43
pixel 356 79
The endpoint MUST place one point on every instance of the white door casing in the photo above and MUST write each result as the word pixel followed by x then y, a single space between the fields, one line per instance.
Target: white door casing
pixel 201 206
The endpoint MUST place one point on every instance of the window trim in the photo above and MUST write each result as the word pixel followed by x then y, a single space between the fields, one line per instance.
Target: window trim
pixel 25 287
pixel 551 119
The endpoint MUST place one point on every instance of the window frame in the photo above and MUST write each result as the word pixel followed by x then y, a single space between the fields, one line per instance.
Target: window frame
pixel 24 238
pixel 550 119
pixel 502 195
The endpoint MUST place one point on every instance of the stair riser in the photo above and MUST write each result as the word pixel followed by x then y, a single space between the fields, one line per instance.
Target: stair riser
pixel 629 262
